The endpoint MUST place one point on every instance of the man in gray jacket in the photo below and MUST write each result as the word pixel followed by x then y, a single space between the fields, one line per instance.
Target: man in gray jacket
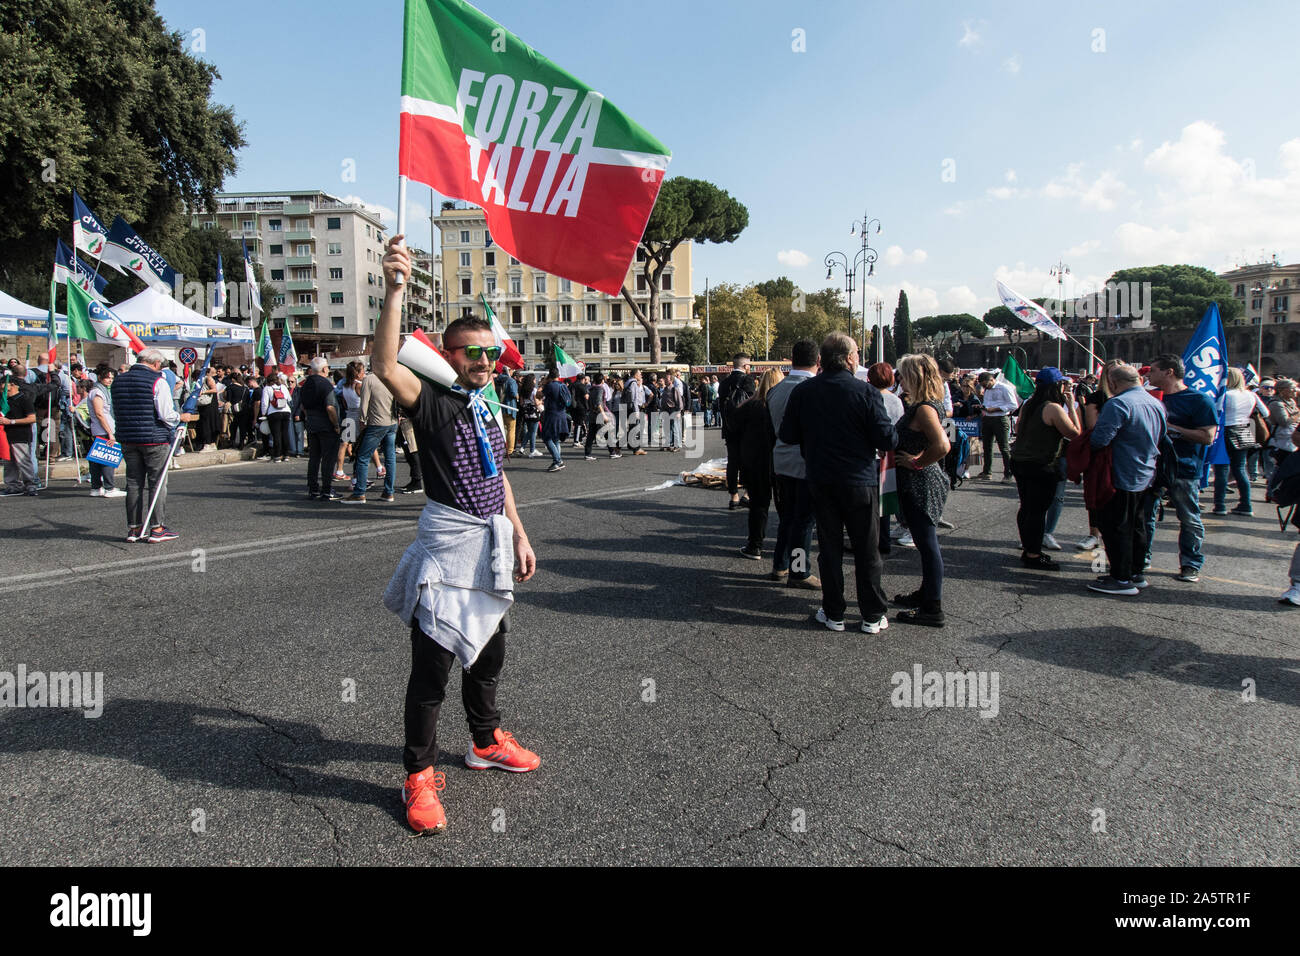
pixel 792 559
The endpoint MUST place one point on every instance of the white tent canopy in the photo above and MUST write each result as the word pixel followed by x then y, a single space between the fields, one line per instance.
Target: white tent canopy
pixel 155 317
pixel 19 318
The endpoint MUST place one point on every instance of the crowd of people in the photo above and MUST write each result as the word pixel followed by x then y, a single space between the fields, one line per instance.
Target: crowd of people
pixel 819 442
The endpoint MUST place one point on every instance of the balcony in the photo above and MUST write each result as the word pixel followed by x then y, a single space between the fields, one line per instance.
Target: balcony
pixel 297 209
pixel 304 310
pixel 299 235
pixel 300 260
pixel 300 285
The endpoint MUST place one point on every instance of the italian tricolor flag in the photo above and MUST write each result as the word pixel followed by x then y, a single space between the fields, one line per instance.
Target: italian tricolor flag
pixel 566 367
pixel 566 179
pixel 91 322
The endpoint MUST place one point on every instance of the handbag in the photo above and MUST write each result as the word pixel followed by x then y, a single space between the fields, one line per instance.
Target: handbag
pixel 1262 432
pixel 205 399
pixel 1241 437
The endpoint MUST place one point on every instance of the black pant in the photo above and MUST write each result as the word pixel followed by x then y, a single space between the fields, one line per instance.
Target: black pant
pixel 279 424
pixel 926 538
pixel 733 467
pixel 430 667
pixel 841 507
pixel 1037 487
pixel 760 498
pixel 1124 532
pixel 794 526
pixel 322 449
pixel 995 428
pixel 593 429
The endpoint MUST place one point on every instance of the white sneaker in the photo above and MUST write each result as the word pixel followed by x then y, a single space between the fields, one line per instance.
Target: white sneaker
pixel 905 541
pixel 534 454
pixel 830 625
pixel 1292 595
pixel 1088 544
pixel 1050 543
pixel 869 627
pixel 897 531
pixel 96 492
pixel 113 493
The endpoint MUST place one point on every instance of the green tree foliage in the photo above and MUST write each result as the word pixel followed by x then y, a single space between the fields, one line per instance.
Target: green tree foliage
pixel 1000 317
pixel 102 98
pixel 891 353
pixel 1180 294
pixel 739 317
pixel 814 316
pixel 775 289
pixel 902 326
pixel 690 346
pixel 946 332
pixel 685 209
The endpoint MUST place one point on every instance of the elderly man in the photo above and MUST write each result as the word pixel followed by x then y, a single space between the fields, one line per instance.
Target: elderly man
pixel 1132 425
pixel 320 414
pixel 146 419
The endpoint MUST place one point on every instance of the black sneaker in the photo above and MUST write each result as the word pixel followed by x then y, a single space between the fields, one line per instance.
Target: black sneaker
pixel 1187 574
pixel 313 495
pixel 1040 563
pixel 331 497
pixel 411 488
pixel 1108 585
pixel 754 553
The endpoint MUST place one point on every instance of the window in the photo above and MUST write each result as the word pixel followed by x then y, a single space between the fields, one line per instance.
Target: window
pixel 1280 303
pixel 1241 290
pixel 666 309
pixel 336 298
pixel 516 285
pixel 307 324
pixel 516 315
pixel 367 229
pixel 302 275
pixel 336 321
pixel 640 254
pixel 489 258
pixel 465 287
pixel 467 312
pixel 514 261
pixel 539 313
pixel 273 225
pixel 370 255
pixel 591 312
pixel 616 346
pixel 640 283
pixel 370 278
pixel 304 298
pixel 251 226
pixel 303 249
pixel 277 249
pixel 277 301
pixel 334 222
pixel 302 225
pixel 616 313
pixel 335 248
pixel 451 236
pixel 539 283
pixel 641 344
pixel 277 323
pixel 209 224
pixel 667 282
pixel 277 275
pixel 489 286
pixel 566 313
pixel 668 343
pixel 372 301
pixel 566 285
pixel 1256 304
pixel 464 235
pixel 464 260
pixel 541 346
pixel 591 346
pixel 336 273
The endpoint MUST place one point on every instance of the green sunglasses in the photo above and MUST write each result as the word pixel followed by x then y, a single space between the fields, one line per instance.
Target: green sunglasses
pixel 475 352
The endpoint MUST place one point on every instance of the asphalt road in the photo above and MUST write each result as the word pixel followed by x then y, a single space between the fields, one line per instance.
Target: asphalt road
pixel 686 710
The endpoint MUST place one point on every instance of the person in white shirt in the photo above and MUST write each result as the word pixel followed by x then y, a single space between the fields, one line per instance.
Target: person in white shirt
pixel 1000 402
pixel 275 403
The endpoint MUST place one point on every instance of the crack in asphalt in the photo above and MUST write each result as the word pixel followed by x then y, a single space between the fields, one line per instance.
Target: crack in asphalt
pixel 894 843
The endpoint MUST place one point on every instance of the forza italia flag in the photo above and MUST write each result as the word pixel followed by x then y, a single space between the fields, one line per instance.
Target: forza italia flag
pixel 565 366
pixel 566 179
pixel 89 320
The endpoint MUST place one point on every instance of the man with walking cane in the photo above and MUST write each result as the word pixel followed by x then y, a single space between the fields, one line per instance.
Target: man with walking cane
pixel 147 422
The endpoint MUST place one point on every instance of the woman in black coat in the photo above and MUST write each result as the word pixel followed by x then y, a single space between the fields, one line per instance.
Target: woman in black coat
pixel 751 431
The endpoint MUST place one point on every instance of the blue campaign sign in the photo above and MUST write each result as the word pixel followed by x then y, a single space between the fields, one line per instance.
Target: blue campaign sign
pixel 102 453
pixel 970 427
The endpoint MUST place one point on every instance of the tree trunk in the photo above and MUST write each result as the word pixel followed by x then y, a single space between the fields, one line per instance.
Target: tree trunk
pixel 653 271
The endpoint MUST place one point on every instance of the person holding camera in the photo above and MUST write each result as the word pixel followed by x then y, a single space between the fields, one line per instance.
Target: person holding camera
pixel 1047 421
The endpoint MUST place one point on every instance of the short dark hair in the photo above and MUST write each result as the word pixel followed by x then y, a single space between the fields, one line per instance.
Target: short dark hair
pixel 945 366
pixel 102 369
pixel 803 354
pixel 1168 362
pixel 741 357
pixel 466 323
pixel 987 377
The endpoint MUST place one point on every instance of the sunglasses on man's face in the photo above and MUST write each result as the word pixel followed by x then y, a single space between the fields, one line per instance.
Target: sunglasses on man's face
pixel 476 352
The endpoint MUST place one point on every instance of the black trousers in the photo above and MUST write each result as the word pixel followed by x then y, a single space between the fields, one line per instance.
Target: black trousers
pixel 733 467
pixel 995 428
pixel 760 499
pixel 1124 532
pixel 430 668
pixel 322 448
pixel 280 423
pixel 1037 487
pixel 853 508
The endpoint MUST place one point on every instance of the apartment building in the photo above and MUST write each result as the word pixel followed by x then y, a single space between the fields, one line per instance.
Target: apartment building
pixel 1266 290
pixel 539 310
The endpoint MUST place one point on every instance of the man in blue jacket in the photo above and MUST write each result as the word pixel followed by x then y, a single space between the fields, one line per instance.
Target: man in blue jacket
pixel 839 423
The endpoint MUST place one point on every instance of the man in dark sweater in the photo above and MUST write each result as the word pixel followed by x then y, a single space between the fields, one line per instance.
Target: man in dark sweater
pixel 321 417
pixel 839 423
pixel 738 379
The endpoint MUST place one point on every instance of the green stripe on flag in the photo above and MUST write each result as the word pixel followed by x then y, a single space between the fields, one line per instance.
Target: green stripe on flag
pixel 79 326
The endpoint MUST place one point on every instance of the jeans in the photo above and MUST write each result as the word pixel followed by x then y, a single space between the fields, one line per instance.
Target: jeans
pixel 926 538
pixel 1237 466
pixel 376 436
pixel 674 429
pixel 297 438
pixel 530 436
pixel 66 440
pixel 841 507
pixel 101 476
pixel 1037 486
pixel 427 687
pixel 1058 500
pixel 1183 495
pixel 794 527
pixel 146 474
pixel 995 428
pixel 554 448
pixel 322 450
pixel 1124 532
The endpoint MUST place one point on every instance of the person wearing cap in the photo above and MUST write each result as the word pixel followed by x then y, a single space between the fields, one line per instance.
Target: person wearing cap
pixel 1259 463
pixel 1193 424
pixel 1048 419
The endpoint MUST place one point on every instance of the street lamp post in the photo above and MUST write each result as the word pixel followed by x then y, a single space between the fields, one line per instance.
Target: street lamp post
pixel 865 257
pixel 1060 270
pixel 1259 350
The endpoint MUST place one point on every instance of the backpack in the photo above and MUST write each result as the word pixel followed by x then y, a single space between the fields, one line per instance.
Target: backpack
pixel 1166 463
pixel 672 401
pixel 957 453
pixel 279 400
pixel 1284 485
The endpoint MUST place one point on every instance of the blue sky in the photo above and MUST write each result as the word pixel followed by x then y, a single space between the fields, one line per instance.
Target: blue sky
pixel 991 140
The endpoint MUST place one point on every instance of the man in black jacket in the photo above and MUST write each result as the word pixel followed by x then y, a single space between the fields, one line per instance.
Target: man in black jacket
pixel 839 423
pixel 738 379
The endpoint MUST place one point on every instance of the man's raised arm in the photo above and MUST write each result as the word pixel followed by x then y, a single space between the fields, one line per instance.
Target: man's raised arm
pixel 401 381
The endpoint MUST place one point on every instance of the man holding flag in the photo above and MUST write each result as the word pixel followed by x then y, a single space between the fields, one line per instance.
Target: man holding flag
pixel 453 586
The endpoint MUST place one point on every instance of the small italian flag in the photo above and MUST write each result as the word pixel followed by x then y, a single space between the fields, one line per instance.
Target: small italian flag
pixel 566 367
pixel 888 486
pixel 422 357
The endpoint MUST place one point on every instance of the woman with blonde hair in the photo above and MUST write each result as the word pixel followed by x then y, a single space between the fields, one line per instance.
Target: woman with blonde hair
pixel 922 484
pixel 1239 440
pixel 751 428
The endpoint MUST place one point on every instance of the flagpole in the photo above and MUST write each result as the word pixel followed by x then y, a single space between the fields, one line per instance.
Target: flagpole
pixel 401 218
pixel 76 452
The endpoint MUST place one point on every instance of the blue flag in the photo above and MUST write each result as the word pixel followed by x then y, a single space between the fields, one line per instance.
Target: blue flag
pixel 191 405
pixel 68 267
pixel 219 294
pixel 88 233
pixel 126 248
pixel 1206 361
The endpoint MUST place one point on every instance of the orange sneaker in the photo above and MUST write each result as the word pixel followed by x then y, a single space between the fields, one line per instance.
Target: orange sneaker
pixel 420 794
pixel 505 754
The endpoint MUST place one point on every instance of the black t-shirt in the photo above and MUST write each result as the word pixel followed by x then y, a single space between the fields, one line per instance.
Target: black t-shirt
pixel 450 461
pixel 20 406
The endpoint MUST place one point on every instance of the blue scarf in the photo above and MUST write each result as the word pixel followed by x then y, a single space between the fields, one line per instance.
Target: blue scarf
pixel 482 416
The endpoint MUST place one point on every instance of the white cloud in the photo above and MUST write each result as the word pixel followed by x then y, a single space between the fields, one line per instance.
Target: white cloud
pixel 970 33
pixel 1083 248
pixel 1196 163
pixel 1101 193
pixel 793 258
pixel 1011 64
pixel 960 298
pixel 1010 175
pixel 1002 192
pixel 895 256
